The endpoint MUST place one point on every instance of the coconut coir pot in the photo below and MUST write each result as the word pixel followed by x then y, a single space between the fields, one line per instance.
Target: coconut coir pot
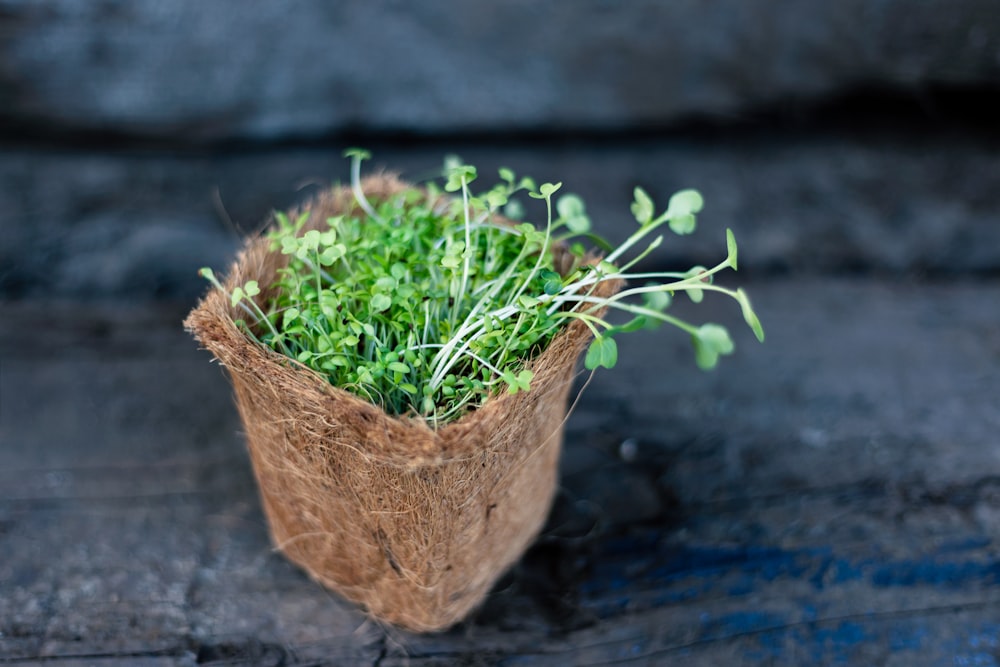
pixel 414 523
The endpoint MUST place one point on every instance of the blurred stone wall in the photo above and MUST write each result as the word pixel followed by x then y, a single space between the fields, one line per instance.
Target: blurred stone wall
pixel 137 135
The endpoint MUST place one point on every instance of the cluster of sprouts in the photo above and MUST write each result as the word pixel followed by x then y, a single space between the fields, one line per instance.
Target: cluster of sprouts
pixel 429 304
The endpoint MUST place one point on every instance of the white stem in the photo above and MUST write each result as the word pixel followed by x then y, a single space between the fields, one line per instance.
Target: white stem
pixel 638 310
pixel 447 356
pixel 468 247
pixel 541 253
pixel 359 194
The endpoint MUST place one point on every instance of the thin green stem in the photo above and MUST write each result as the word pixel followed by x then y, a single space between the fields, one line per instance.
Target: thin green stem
pixel 637 236
pixel 588 319
pixel 359 194
pixel 541 253
pixel 467 254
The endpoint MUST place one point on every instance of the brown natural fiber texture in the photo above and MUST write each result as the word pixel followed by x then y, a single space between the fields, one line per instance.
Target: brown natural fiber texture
pixel 413 523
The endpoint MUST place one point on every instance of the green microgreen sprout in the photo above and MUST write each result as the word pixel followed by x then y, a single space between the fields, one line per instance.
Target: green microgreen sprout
pixel 427 304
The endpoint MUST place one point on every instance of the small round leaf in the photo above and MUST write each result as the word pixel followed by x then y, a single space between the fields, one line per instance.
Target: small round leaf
pixel 685 202
pixel 603 351
pixel 642 206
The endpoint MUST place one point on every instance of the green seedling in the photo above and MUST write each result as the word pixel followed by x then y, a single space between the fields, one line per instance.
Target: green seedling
pixel 429 305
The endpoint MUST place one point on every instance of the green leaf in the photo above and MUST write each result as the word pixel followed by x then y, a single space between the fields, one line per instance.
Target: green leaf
pixel 329 237
pixel 380 302
pixel 398 367
pixel 710 341
pixel 696 271
pixel 685 202
pixel 251 288
pixel 695 294
pixel 527 229
pixel 514 210
pixel 289 317
pixel 526 301
pixel 458 174
pixel 642 206
pixel 572 210
pixel 570 206
pixel 658 300
pixel 524 379
pixel 507 175
pixel 385 284
pixel 334 363
pixel 553 282
pixel 310 240
pixel 330 256
pixel 603 351
pixel 682 224
pixel 717 336
pixel 235 297
pixel 546 190
pixel 749 316
pixel 519 382
pixel 496 199
pixel 731 247
pixel 607 268
pixel 289 245
pixel 359 153
pixel 579 224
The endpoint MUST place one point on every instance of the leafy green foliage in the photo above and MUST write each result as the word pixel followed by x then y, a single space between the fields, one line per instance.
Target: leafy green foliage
pixel 429 306
pixel 710 342
pixel 603 351
pixel 642 207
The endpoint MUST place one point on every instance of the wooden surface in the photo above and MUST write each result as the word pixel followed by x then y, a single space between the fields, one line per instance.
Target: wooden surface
pixel 831 497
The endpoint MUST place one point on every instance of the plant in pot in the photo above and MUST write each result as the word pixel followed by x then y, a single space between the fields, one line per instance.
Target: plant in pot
pixel 401 357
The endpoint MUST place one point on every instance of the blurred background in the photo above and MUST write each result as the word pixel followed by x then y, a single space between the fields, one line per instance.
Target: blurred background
pixel 831 497
pixel 833 137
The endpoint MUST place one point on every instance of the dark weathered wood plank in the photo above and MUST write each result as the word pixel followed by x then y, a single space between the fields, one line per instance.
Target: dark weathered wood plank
pixel 831 497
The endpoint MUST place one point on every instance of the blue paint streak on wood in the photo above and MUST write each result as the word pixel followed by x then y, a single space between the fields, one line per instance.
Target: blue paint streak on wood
pixel 906 638
pixel 838 642
pixel 677 573
pixel 654 564
pixel 980 648
pixel 935 573
pixel 967 544
pixel 645 571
